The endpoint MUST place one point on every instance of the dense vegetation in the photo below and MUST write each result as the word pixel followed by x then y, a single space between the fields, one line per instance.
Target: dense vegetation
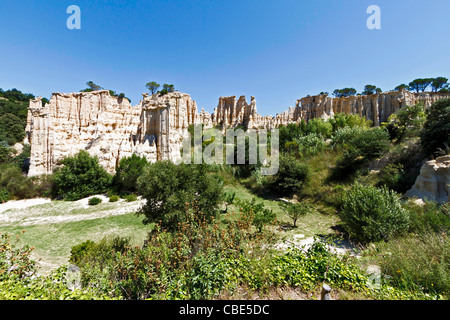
pixel 205 242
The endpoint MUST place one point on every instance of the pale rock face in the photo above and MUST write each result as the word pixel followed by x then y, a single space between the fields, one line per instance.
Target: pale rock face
pixel 433 182
pixel 111 128
pixel 376 107
pixel 107 127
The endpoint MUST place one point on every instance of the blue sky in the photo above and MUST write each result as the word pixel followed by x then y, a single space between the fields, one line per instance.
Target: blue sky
pixel 277 51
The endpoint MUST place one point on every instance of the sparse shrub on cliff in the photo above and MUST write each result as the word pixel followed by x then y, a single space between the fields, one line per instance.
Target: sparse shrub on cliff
pixel 80 176
pixel 167 187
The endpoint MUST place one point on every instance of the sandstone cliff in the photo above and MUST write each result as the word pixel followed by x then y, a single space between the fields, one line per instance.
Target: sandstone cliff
pixel 108 127
pixel 377 107
pixel 111 128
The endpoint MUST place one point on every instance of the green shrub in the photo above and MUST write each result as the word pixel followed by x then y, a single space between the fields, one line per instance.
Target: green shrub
pixel 436 130
pixel 80 176
pixel 114 198
pixel 21 187
pixel 127 173
pixel 167 187
pixel 311 144
pixel 19 279
pixel 4 195
pixel 393 176
pixel 257 214
pixel 295 210
pixel 343 120
pixel 291 176
pixel 130 197
pixel 320 127
pixel 406 121
pixel 361 146
pixel 373 214
pixel 94 201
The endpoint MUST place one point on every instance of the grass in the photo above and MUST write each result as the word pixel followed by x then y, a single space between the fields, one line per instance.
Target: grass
pixel 54 240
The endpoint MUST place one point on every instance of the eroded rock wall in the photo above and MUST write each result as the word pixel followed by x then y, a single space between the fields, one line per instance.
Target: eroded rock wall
pixel 107 127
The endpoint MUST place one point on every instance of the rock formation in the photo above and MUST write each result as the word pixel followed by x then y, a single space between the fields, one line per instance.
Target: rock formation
pixel 376 107
pixel 107 127
pixel 433 182
pixel 111 128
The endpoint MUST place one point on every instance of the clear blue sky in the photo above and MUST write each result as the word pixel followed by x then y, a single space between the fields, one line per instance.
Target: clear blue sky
pixel 277 51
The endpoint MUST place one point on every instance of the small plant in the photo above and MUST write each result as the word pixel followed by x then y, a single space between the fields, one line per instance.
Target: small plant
pixel 130 197
pixel 114 198
pixel 4 195
pixel 94 201
pixel 295 211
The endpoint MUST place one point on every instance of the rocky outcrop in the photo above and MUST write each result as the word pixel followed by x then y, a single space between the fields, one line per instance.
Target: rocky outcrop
pixel 377 107
pixel 107 127
pixel 433 182
pixel 111 128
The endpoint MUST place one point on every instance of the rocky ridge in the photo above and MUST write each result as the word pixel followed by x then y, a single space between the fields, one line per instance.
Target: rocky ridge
pixel 111 128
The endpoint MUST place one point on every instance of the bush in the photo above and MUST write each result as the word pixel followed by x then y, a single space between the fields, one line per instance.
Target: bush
pixel 436 130
pixel 168 187
pixel 311 144
pixel 407 120
pixel 94 201
pixel 127 173
pixel 373 214
pixel 320 127
pixel 343 120
pixel 130 197
pixel 21 187
pixel 19 279
pixel 393 176
pixel 291 176
pixel 257 214
pixel 114 198
pixel 80 176
pixel 362 146
pixel 4 195
pixel 295 211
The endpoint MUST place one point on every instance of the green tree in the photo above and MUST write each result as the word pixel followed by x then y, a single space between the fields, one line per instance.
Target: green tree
pixel 346 92
pixel 92 86
pixel 153 86
pixel 127 173
pixel 371 89
pixel 295 210
pixel 80 176
pixel 436 130
pixel 420 85
pixel 438 83
pixel 12 128
pixel 168 188
pixel 401 87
